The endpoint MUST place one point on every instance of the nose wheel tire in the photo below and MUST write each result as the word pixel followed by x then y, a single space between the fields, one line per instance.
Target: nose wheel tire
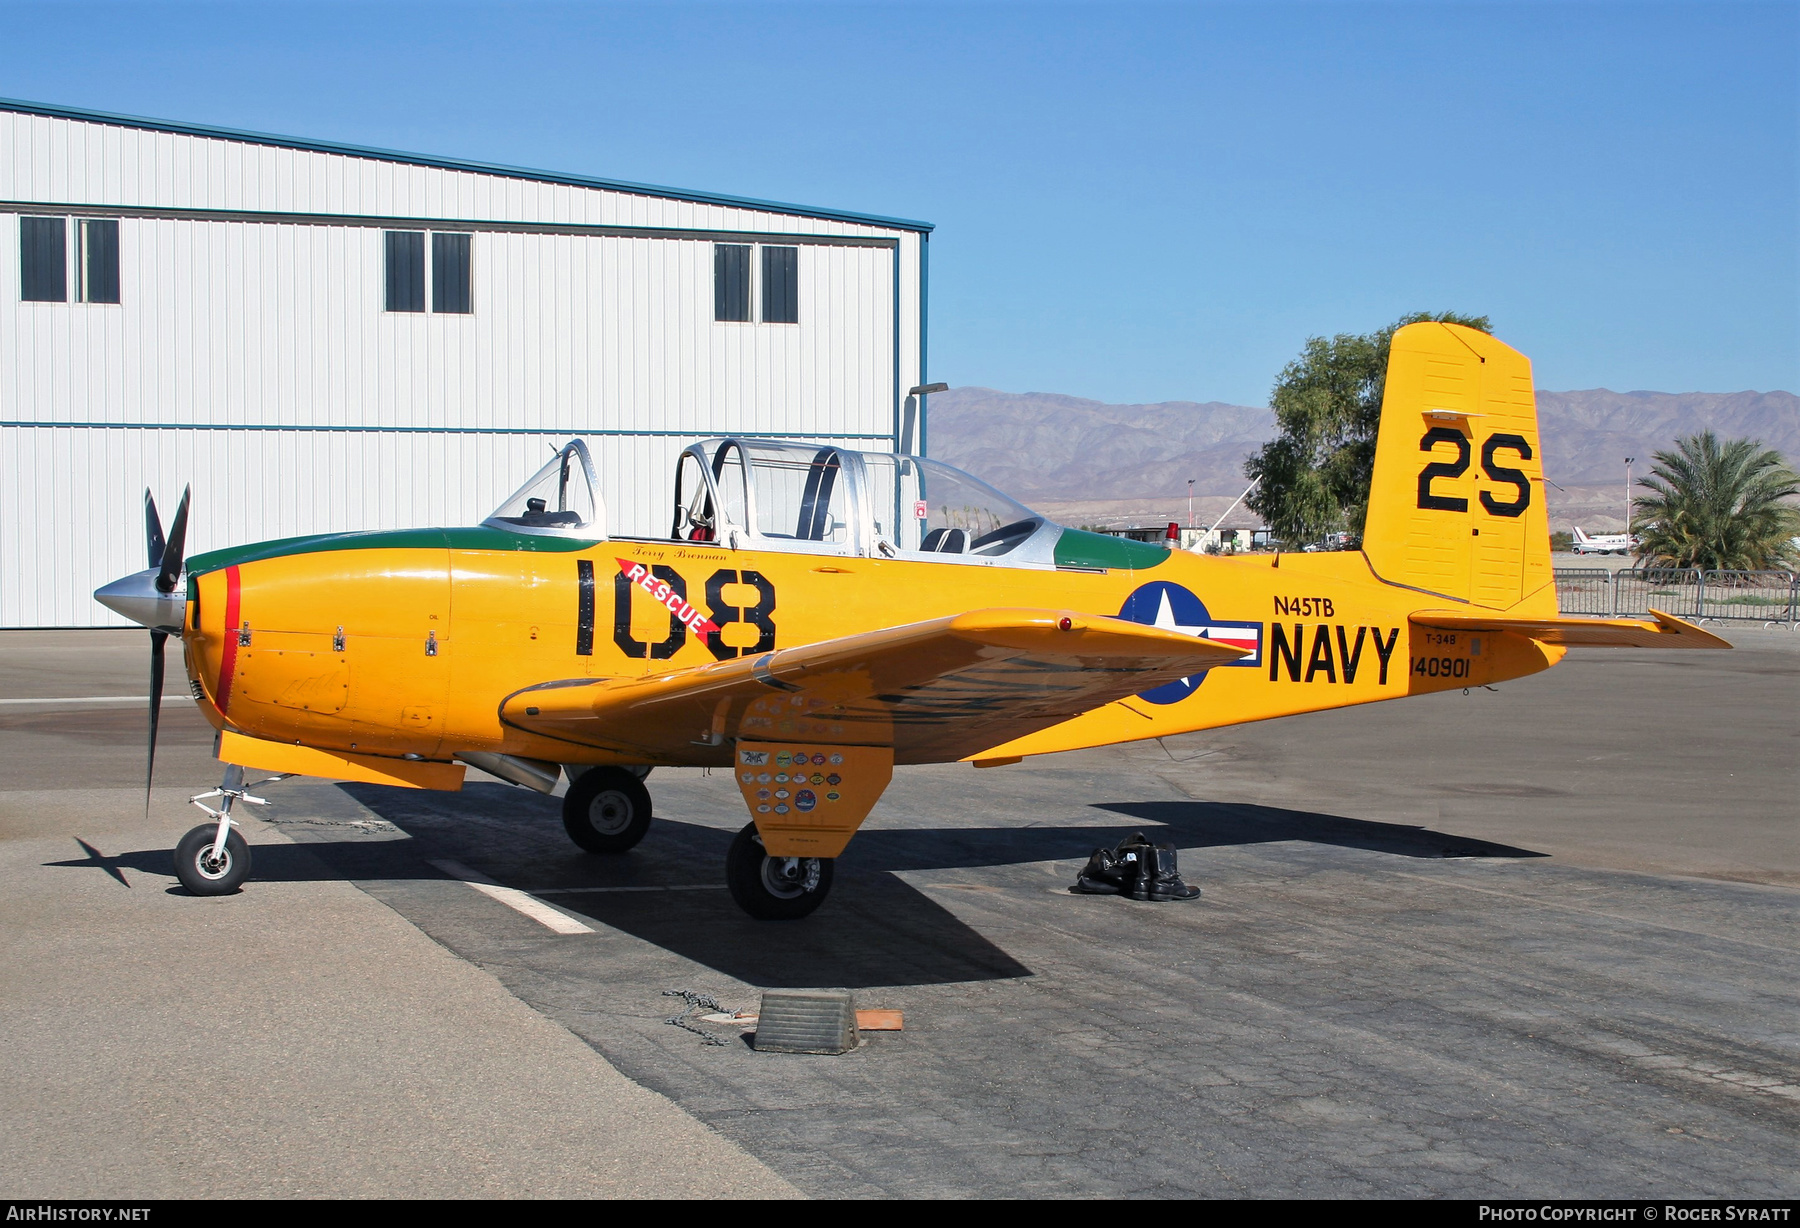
pixel 607 810
pixel 774 888
pixel 200 872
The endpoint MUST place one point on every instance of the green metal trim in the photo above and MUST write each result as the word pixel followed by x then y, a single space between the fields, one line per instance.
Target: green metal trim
pixel 1076 548
pixel 451 164
pixel 474 537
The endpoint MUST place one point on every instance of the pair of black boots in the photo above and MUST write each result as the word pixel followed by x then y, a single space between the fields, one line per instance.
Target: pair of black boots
pixel 1136 868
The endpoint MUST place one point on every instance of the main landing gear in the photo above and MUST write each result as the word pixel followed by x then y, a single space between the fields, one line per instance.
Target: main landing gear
pixel 607 810
pixel 774 888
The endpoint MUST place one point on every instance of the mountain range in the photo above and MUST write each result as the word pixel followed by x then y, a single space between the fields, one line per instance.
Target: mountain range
pixel 1088 462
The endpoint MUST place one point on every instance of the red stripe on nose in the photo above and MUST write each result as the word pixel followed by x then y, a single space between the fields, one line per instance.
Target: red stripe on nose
pixel 228 656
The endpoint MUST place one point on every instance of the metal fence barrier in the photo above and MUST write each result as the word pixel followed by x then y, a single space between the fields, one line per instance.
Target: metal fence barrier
pixel 1761 596
pixel 1584 590
pixel 1703 596
pixel 1673 590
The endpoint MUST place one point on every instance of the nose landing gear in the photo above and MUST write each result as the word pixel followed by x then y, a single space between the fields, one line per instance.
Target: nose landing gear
pixel 214 858
pixel 204 868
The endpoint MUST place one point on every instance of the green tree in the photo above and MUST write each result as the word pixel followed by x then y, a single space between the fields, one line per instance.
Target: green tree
pixel 1313 478
pixel 1720 505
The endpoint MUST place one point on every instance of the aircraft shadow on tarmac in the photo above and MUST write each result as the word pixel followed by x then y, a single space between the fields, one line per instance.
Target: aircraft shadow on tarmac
pixel 1213 824
pixel 876 930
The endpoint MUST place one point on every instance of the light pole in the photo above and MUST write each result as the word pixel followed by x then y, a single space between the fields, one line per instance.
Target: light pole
pixel 1190 503
pixel 1628 461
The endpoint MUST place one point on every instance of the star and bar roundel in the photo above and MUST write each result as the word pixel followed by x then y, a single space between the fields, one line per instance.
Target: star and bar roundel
pixel 1174 608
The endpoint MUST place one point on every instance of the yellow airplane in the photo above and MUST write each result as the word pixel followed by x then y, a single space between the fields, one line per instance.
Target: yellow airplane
pixel 817 616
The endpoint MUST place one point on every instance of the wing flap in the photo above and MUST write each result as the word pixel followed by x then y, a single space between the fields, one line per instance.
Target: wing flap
pixel 1667 631
pixel 934 691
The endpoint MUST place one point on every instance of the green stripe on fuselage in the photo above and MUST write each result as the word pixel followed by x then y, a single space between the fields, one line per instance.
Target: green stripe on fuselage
pixel 477 537
pixel 1078 548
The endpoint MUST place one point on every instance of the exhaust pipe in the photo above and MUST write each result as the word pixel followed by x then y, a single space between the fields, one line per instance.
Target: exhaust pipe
pixel 532 773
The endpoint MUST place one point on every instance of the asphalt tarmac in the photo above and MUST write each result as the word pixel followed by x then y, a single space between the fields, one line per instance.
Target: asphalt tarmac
pixel 1534 942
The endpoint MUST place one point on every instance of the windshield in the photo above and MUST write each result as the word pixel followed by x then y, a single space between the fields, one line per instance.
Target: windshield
pixel 928 506
pixel 559 499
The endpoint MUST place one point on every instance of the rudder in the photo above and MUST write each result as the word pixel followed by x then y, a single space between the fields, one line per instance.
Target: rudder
pixel 1456 502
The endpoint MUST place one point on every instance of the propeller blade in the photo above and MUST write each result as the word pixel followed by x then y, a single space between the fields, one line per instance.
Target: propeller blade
pixel 174 553
pixel 153 533
pixel 157 640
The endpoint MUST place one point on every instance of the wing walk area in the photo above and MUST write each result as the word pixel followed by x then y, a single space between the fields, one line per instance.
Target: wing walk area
pixel 947 688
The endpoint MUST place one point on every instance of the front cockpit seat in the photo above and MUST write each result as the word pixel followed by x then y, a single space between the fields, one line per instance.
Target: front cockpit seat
pixel 537 517
pixel 945 541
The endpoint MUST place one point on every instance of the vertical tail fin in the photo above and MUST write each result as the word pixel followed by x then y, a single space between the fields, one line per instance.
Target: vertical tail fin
pixel 1456 506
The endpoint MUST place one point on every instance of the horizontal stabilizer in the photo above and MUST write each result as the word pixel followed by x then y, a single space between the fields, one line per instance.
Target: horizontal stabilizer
pixel 934 691
pixel 1666 632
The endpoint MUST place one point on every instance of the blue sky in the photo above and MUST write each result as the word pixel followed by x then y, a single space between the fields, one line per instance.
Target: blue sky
pixel 1134 202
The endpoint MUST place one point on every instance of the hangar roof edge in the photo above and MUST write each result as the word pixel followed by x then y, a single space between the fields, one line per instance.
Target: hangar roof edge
pixel 454 164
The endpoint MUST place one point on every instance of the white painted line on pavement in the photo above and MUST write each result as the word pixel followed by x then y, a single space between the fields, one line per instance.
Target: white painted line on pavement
pixel 513 898
pixel 85 699
pixel 598 890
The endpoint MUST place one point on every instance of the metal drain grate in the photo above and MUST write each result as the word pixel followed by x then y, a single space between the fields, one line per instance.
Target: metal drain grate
pixel 806 1021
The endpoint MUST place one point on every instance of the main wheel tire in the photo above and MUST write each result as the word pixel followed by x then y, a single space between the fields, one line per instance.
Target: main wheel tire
pixel 774 888
pixel 199 873
pixel 607 810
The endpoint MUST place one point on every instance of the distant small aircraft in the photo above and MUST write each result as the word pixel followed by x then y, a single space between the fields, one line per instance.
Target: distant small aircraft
pixel 1606 543
pixel 816 616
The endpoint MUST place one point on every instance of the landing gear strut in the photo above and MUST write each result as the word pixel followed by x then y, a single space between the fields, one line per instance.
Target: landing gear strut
pixel 213 858
pixel 774 888
pixel 607 810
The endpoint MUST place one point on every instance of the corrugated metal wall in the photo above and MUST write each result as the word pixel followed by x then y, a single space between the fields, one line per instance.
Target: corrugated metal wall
pixel 254 358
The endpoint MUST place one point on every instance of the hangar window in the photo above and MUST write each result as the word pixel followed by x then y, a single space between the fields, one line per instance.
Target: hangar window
pixel 406 270
pixel 450 283
pixel 781 285
pixel 43 259
pixel 97 266
pixel 731 282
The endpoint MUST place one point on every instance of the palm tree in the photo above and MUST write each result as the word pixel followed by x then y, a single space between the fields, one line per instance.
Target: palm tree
pixel 1722 506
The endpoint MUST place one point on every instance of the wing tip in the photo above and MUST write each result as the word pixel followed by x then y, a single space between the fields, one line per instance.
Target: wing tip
pixel 1670 624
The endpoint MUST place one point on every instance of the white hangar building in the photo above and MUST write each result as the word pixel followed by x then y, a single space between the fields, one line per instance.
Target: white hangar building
pixel 321 337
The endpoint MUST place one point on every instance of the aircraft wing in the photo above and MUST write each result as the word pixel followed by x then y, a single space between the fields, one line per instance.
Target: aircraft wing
pixel 1666 631
pixel 939 690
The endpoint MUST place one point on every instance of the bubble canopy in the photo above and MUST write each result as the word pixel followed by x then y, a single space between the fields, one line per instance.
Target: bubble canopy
pixel 820 498
pixel 561 499
pixel 803 498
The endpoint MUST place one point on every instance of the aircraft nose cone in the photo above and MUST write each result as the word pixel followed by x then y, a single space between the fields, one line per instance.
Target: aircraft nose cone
pixel 135 597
